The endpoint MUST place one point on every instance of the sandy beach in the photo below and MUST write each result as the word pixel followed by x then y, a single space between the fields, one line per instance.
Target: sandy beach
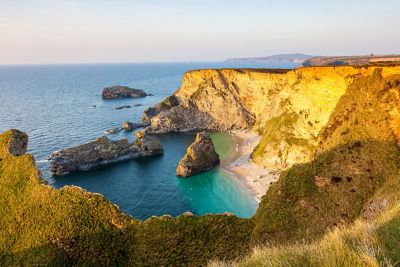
pixel 257 178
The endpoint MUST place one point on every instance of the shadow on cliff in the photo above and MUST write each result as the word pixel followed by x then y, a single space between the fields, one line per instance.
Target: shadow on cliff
pixel 334 189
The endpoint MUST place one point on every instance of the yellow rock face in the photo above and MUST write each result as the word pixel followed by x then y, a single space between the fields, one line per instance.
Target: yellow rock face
pixel 288 108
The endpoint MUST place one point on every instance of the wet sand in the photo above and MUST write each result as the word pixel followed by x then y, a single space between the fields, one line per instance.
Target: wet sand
pixel 257 178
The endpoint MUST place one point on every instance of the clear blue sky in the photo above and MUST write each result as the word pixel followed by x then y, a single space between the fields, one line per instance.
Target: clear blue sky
pixel 72 31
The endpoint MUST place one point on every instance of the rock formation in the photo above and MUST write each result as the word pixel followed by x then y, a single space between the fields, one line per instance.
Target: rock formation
pixel 113 130
pixel 101 152
pixel 119 91
pixel 122 107
pixel 17 142
pixel 200 156
pixel 130 126
pixel 166 104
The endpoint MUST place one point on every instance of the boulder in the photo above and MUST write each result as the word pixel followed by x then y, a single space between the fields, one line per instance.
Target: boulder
pixel 200 156
pixel 119 91
pixel 18 142
pixel 101 152
pixel 113 130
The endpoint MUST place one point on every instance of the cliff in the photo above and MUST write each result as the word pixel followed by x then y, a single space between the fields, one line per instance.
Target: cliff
pixel 289 108
pixel 334 131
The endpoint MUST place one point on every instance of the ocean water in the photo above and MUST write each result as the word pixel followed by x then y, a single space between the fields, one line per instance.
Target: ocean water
pixel 53 104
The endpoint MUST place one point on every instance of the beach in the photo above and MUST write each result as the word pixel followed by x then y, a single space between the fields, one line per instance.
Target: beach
pixel 255 177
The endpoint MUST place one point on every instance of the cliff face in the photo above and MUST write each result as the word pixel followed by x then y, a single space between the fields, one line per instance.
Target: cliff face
pixel 288 108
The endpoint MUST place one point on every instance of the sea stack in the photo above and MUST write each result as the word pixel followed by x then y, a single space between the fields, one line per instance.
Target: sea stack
pixel 102 152
pixel 200 156
pixel 119 91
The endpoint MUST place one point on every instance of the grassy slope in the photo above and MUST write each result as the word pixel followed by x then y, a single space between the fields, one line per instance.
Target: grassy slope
pixel 41 225
pixel 374 243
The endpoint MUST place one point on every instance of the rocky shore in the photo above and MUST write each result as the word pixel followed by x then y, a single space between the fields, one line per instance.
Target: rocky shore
pixel 102 152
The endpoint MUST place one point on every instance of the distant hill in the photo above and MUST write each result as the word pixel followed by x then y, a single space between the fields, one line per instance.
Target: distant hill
pixel 286 58
pixel 351 60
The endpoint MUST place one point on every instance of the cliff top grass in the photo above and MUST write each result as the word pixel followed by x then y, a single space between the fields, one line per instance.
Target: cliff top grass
pixel 365 243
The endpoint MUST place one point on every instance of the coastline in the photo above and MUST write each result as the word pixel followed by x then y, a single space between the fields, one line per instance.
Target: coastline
pixel 255 177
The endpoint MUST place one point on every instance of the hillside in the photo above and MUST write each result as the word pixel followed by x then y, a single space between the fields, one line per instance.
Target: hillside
pixel 283 58
pixel 332 132
pixel 350 60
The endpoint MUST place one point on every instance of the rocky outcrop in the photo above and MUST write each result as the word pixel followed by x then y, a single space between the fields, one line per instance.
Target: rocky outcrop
pixel 130 126
pixel 102 152
pixel 119 91
pixel 113 130
pixel 200 156
pixel 122 107
pixel 166 104
pixel 17 142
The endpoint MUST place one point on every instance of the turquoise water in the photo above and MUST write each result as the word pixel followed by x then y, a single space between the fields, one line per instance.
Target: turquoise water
pixel 52 104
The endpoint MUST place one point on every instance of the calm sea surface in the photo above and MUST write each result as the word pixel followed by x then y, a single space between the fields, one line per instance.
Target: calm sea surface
pixel 52 104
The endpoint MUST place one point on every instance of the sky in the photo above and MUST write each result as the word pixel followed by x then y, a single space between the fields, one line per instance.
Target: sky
pixel 101 31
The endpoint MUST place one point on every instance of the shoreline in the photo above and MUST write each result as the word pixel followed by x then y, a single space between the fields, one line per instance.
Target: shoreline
pixel 255 177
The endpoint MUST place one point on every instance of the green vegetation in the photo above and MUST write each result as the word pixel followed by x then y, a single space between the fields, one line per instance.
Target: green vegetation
pixel 374 243
pixel 43 226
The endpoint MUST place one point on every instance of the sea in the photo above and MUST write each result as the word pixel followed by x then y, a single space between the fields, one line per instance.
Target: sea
pixel 60 106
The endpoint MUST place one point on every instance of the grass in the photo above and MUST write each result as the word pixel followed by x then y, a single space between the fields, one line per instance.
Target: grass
pixel 373 243
pixel 40 225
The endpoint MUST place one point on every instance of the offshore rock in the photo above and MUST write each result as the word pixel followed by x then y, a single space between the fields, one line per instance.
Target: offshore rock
pixel 200 156
pixel 101 152
pixel 122 107
pixel 119 91
pixel 113 130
